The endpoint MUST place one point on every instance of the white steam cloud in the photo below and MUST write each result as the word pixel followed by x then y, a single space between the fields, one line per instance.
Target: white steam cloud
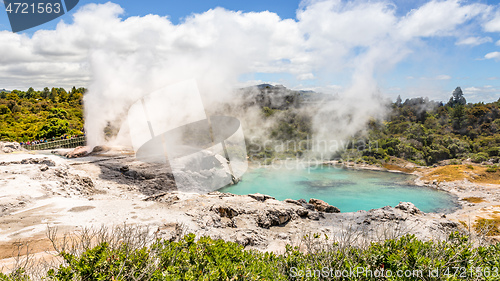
pixel 123 59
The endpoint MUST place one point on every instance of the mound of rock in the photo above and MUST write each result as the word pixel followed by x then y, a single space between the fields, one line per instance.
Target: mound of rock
pixel 274 217
pixel 409 208
pixel 79 151
pixel 322 206
pixel 314 205
pixel 9 147
pixel 27 161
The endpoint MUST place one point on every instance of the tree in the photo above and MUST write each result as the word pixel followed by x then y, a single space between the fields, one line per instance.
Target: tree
pixel 458 118
pixel 54 95
pixel 398 101
pixel 45 93
pixel 30 93
pixel 63 95
pixel 4 109
pixel 53 128
pixel 457 98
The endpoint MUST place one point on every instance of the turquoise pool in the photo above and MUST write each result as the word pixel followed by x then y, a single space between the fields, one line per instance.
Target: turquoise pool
pixel 349 190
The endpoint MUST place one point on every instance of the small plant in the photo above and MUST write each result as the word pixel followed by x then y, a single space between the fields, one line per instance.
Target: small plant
pixel 488 226
pixel 473 199
pixel 480 157
pixel 492 169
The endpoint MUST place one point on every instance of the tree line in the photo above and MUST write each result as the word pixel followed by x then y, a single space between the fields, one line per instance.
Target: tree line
pixel 37 115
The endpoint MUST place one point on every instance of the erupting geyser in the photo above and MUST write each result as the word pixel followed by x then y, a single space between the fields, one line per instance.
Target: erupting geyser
pixel 203 153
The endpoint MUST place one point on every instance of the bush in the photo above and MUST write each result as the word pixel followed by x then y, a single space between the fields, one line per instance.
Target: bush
pixel 493 151
pixel 4 110
pixel 492 169
pixel 479 157
pixel 209 259
pixel 205 259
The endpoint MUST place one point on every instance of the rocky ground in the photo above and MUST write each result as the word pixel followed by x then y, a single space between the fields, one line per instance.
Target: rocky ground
pixel 45 190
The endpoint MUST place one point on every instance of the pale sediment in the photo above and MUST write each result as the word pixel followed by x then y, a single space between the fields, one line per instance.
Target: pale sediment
pixel 47 190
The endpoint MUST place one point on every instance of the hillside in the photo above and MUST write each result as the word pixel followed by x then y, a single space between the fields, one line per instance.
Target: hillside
pixel 418 129
pixel 34 115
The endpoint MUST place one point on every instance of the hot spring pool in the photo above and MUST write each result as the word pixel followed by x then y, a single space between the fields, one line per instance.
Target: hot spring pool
pixel 349 190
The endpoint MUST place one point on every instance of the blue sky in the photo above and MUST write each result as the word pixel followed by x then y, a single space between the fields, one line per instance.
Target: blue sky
pixel 408 48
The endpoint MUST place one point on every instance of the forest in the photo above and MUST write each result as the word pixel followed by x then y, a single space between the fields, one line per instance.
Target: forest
pixel 34 115
pixel 417 129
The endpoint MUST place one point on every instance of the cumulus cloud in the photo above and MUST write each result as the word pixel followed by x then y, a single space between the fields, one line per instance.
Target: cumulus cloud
pixel 439 18
pixel 481 94
pixel 493 55
pixel 437 77
pixel 306 76
pixel 121 59
pixel 474 41
pixel 494 24
pixel 443 77
pixel 327 36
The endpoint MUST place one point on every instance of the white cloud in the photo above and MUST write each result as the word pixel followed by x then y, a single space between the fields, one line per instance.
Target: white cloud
pixel 306 76
pixel 494 24
pixel 497 43
pixel 493 55
pixel 443 77
pixel 437 77
pixel 120 59
pixel 485 93
pixel 438 18
pixel 329 36
pixel 474 41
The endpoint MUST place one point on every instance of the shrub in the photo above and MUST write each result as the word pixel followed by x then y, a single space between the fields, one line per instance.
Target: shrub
pixel 492 169
pixel 479 157
pixel 209 259
pixel 493 151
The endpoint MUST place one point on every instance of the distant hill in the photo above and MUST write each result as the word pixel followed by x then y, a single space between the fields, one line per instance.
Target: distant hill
pixel 280 97
pixel 3 90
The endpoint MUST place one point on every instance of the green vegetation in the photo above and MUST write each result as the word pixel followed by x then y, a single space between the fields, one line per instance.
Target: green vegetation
pixel 489 226
pixel 418 130
pixel 33 115
pixel 406 258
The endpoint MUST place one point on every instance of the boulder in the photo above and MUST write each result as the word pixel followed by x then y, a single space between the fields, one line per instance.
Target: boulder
pixel 224 211
pixel 40 161
pixel 313 216
pixel 302 212
pixel 260 197
pixel 79 151
pixel 291 201
pixel 274 217
pixel 9 147
pixel 322 206
pixel 409 208
pixel 248 237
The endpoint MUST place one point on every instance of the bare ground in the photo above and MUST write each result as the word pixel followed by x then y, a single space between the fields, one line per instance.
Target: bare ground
pixel 38 191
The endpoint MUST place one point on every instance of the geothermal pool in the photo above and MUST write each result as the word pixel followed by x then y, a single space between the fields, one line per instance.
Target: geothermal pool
pixel 349 190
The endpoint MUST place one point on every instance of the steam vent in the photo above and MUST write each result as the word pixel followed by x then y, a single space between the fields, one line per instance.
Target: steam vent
pixel 170 126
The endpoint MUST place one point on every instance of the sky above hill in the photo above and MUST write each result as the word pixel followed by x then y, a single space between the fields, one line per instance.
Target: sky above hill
pixel 410 48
